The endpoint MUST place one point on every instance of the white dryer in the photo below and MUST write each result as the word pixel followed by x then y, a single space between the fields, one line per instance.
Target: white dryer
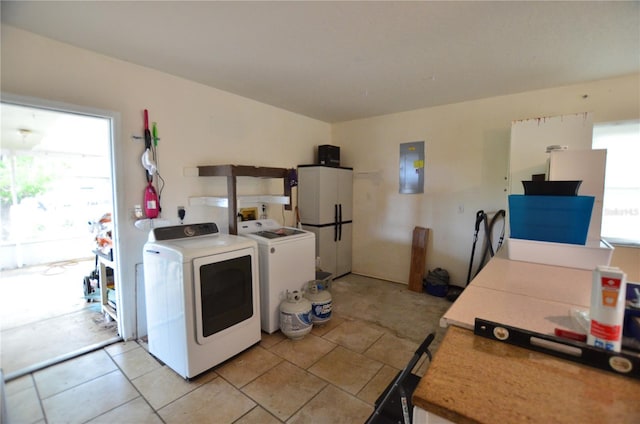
pixel 202 296
pixel 287 262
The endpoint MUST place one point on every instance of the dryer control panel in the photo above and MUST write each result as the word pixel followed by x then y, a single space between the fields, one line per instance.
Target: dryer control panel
pixel 183 231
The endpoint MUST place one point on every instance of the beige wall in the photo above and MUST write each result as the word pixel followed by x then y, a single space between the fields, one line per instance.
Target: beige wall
pixel 198 125
pixel 467 150
pixel 628 259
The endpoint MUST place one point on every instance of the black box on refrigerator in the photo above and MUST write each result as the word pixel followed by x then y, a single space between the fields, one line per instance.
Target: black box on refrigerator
pixel 329 155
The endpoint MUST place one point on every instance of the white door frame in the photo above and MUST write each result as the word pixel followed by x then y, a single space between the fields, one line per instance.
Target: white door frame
pixel 126 315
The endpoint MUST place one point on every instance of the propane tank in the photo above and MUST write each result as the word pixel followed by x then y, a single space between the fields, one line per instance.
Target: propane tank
pixel 295 315
pixel 320 299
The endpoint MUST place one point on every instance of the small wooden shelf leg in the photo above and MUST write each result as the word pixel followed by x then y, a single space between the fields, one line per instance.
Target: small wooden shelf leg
pixel 233 206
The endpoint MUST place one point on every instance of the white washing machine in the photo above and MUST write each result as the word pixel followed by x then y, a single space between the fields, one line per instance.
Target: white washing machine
pixel 287 262
pixel 202 296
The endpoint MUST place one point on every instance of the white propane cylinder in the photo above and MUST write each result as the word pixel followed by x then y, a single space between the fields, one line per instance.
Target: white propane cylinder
pixel 320 302
pixel 295 315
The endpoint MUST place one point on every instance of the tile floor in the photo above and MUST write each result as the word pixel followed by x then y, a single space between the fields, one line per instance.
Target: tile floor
pixel 333 375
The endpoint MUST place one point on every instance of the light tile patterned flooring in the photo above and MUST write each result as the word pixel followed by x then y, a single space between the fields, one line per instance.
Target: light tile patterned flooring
pixel 333 375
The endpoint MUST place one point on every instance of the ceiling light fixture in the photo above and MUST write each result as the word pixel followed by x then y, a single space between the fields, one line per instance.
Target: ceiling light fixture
pixel 24 132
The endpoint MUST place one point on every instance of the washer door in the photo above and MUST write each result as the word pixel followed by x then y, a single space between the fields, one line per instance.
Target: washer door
pixel 223 291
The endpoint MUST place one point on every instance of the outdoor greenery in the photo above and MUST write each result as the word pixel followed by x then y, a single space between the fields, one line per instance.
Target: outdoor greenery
pixel 31 178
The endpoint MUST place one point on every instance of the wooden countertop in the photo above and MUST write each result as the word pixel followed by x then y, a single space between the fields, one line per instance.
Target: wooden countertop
pixel 476 380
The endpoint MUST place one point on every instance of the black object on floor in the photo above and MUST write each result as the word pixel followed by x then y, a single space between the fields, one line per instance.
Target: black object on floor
pixel 91 283
pixel 436 283
pixel 394 405
pixel 453 292
pixel 487 253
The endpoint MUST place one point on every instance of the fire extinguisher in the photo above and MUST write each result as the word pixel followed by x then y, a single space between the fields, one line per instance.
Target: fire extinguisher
pixel 151 201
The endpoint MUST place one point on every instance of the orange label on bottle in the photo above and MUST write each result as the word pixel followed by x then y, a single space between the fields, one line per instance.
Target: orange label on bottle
pixel 610 291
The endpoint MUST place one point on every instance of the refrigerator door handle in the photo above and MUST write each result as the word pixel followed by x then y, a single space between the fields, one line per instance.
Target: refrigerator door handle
pixel 340 222
pixel 335 222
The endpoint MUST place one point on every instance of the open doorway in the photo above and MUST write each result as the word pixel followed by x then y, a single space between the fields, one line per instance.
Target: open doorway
pixel 56 193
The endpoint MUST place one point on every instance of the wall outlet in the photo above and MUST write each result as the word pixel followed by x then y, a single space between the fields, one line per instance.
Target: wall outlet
pixel 136 212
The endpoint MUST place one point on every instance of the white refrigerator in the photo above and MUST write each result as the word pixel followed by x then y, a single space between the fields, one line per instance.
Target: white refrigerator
pixel 325 203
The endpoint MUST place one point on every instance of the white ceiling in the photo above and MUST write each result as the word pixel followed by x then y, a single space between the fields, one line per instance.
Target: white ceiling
pixel 43 131
pixel 338 61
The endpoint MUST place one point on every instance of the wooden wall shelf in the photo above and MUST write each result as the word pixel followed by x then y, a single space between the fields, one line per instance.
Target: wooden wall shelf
pixel 231 172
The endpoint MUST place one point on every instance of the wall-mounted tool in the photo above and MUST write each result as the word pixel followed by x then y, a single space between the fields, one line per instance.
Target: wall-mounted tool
pixel 151 199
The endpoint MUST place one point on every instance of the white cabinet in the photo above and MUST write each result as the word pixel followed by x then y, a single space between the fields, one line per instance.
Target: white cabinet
pixel 325 194
pixel 325 202
pixel 333 250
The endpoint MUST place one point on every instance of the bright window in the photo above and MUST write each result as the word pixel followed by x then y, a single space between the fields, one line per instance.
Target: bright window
pixel 621 204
